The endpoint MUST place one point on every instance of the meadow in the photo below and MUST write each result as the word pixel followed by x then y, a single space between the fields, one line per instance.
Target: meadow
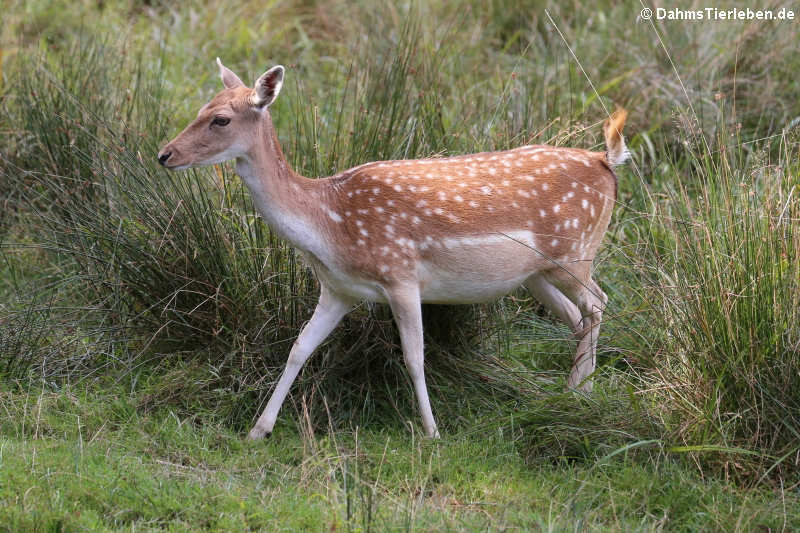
pixel 146 315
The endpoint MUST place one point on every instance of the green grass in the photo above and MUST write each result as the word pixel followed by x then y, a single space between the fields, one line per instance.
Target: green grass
pixel 145 315
pixel 86 459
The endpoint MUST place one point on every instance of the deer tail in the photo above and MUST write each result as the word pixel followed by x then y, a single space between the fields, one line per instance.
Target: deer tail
pixel 616 151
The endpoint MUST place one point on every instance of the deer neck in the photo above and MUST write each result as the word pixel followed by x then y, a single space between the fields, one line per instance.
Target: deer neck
pixel 287 201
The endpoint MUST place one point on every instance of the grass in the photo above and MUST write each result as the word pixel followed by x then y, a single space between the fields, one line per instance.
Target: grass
pixel 79 459
pixel 145 315
pixel 731 291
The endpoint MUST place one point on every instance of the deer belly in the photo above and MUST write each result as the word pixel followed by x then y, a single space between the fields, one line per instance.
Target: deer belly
pixel 443 289
pixel 474 270
pixel 457 270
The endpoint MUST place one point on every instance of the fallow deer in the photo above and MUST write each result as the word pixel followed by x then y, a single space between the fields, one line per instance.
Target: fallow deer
pixel 459 229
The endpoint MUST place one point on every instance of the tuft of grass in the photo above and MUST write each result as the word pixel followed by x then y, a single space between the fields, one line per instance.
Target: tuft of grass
pixel 726 291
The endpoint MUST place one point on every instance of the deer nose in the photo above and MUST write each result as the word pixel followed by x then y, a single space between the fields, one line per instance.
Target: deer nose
pixel 162 158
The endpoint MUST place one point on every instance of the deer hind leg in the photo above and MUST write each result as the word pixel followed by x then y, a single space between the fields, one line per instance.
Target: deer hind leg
pixel 407 310
pixel 590 300
pixel 327 315
pixel 554 300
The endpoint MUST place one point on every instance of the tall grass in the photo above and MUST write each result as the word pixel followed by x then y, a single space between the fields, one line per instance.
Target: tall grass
pixel 725 282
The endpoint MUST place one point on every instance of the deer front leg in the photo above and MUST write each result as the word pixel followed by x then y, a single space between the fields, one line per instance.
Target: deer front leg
pixel 328 313
pixel 407 310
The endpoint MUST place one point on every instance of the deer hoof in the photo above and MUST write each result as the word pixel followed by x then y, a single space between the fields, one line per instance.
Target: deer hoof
pixel 258 434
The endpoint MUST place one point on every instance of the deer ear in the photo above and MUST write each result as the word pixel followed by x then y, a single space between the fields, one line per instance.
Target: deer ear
pixel 229 79
pixel 267 87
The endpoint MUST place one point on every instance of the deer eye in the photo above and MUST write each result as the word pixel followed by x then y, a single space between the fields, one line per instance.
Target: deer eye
pixel 220 121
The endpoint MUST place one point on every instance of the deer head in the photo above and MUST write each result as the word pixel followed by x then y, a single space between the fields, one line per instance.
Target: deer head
pixel 229 125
